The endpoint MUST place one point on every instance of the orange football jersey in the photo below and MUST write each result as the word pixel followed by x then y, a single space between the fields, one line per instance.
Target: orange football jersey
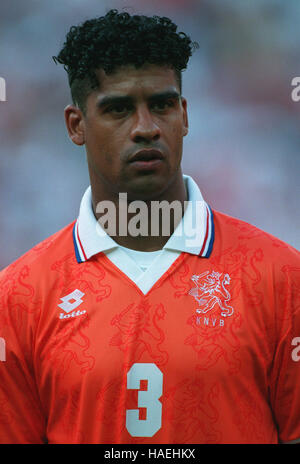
pixel 208 355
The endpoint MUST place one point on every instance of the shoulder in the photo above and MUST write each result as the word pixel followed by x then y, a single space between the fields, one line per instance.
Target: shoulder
pixel 232 232
pixel 35 264
pixel 264 268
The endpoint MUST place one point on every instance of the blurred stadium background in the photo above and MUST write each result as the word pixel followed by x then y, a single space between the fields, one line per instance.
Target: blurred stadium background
pixel 243 145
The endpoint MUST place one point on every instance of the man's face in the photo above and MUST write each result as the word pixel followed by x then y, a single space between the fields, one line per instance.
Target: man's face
pixel 133 130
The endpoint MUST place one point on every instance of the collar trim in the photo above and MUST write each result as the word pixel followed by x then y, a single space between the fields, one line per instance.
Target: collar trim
pixel 209 235
pixel 204 253
pixel 79 250
pixel 90 239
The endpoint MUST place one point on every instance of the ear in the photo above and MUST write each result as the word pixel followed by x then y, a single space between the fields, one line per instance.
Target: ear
pixel 185 116
pixel 75 124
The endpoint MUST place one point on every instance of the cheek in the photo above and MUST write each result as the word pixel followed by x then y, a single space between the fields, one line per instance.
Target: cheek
pixel 177 128
pixel 176 137
pixel 100 144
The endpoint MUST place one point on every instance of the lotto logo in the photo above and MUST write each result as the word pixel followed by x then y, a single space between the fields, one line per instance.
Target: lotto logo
pixel 71 301
pixel 2 350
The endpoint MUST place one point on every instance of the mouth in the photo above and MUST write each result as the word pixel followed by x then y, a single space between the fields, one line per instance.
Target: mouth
pixel 145 160
pixel 146 156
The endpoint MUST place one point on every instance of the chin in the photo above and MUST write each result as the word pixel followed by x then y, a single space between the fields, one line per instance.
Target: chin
pixel 146 188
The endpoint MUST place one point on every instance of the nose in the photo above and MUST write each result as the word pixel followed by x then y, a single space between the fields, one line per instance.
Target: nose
pixel 144 128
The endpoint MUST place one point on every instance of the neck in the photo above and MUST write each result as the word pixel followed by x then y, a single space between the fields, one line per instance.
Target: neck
pixel 140 226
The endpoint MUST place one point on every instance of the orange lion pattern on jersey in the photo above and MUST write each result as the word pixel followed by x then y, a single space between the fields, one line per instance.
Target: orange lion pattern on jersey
pixel 203 357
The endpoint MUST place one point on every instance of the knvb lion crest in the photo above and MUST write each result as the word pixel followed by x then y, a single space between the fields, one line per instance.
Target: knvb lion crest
pixel 210 290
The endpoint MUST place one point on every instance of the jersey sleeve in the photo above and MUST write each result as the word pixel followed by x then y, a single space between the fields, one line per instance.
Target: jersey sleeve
pixel 285 377
pixel 21 416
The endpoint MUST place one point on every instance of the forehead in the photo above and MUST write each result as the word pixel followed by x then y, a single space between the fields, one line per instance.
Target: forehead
pixel 128 80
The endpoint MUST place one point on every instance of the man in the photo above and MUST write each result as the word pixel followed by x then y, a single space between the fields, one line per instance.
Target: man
pixel 165 337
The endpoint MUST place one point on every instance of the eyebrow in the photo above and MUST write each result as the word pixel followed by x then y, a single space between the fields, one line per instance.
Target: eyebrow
pixel 125 99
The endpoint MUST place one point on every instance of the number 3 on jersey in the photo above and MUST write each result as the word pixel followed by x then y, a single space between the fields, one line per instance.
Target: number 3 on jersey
pixel 146 399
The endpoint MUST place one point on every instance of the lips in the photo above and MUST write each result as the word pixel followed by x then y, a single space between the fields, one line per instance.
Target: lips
pixel 146 155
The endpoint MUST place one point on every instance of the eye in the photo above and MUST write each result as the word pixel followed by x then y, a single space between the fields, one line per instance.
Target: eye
pixel 119 108
pixel 163 105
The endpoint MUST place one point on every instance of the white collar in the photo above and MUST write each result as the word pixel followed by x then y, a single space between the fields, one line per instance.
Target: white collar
pixel 90 239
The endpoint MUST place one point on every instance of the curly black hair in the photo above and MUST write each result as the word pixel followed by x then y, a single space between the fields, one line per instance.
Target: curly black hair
pixel 117 39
